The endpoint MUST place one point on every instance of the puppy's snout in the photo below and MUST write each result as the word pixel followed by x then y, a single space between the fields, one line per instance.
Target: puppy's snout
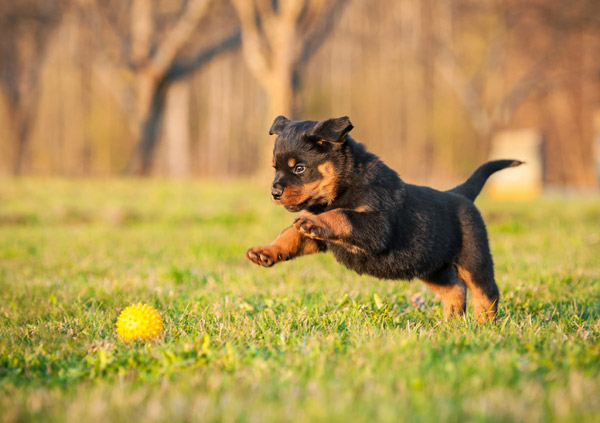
pixel 276 192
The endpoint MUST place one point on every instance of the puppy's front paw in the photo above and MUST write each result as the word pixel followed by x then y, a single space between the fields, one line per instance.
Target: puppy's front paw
pixel 265 256
pixel 311 228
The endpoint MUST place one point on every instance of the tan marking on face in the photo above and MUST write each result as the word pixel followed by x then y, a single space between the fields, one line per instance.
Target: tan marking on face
pixel 292 195
pixel 328 187
pixel 291 162
pixel 321 190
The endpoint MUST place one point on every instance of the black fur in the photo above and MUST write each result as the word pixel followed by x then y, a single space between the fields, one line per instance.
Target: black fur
pixel 472 186
pixel 390 229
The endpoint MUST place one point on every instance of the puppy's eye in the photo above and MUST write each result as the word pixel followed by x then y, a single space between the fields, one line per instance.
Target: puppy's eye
pixel 298 169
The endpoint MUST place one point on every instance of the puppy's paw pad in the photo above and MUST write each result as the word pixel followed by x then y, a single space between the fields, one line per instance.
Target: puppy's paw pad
pixel 309 228
pixel 263 256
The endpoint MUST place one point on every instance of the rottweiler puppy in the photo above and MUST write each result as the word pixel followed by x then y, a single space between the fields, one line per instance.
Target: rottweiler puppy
pixel 355 206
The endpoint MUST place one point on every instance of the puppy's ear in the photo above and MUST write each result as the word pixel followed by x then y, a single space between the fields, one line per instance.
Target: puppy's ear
pixel 279 125
pixel 333 130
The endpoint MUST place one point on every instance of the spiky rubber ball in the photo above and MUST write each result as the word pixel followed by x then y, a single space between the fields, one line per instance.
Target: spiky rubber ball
pixel 139 322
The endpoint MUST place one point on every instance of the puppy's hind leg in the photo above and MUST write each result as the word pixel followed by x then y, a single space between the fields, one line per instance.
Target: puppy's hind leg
pixel 447 285
pixel 484 291
pixel 475 268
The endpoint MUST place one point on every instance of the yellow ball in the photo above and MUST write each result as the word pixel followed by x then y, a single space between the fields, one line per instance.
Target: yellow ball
pixel 139 322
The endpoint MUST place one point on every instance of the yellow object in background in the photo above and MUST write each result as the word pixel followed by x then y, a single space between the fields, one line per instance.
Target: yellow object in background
pixel 523 182
pixel 139 322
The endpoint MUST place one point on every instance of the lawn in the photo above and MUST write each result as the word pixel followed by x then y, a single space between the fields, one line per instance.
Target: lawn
pixel 306 340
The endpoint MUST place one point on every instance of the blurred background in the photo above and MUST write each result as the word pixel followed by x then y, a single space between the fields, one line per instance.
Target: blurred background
pixel 189 88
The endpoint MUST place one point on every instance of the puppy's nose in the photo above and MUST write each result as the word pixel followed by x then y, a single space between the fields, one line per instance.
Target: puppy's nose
pixel 276 192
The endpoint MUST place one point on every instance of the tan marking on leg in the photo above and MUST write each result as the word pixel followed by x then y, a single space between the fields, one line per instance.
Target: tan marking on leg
pixel 335 224
pixel 484 308
pixel 289 244
pixel 292 242
pixel 454 297
pixel 363 209
pixel 336 221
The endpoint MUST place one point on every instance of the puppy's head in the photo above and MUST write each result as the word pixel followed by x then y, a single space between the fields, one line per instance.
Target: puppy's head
pixel 307 158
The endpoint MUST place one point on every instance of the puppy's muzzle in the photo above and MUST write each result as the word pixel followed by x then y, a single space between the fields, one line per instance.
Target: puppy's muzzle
pixel 276 192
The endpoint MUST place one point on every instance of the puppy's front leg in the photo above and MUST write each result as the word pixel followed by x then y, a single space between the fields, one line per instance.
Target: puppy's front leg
pixel 331 225
pixel 289 244
pixel 360 229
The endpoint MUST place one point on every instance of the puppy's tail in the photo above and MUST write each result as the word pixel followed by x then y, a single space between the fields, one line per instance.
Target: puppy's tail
pixel 472 186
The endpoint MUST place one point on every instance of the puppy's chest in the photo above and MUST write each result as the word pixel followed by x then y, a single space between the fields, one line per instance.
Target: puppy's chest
pixel 341 249
pixel 384 266
pixel 349 255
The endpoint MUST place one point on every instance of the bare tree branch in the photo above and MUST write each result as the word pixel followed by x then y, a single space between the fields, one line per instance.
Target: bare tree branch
pixel 114 84
pixel 279 35
pixel 486 117
pixel 182 68
pixel 450 70
pixel 142 28
pixel 528 83
pixel 256 51
pixel 178 36
pixel 325 22
pixel 291 9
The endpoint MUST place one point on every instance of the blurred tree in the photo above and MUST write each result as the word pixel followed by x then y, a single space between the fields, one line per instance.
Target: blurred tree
pixel 156 42
pixel 569 95
pixel 488 107
pixel 25 31
pixel 533 36
pixel 279 37
pixel 427 46
pixel 427 83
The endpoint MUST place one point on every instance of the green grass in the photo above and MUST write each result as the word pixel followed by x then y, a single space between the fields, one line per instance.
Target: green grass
pixel 305 340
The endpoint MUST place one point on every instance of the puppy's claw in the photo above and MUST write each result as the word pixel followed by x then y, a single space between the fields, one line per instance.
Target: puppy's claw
pixel 262 256
pixel 309 228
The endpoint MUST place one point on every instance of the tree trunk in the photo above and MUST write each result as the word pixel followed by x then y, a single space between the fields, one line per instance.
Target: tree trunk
pixel 147 87
pixel 176 130
pixel 21 125
pixel 151 104
pixel 427 75
pixel 23 106
pixel 281 96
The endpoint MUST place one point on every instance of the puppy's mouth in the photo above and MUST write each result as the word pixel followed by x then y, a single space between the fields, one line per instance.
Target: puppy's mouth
pixel 294 199
pixel 296 207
